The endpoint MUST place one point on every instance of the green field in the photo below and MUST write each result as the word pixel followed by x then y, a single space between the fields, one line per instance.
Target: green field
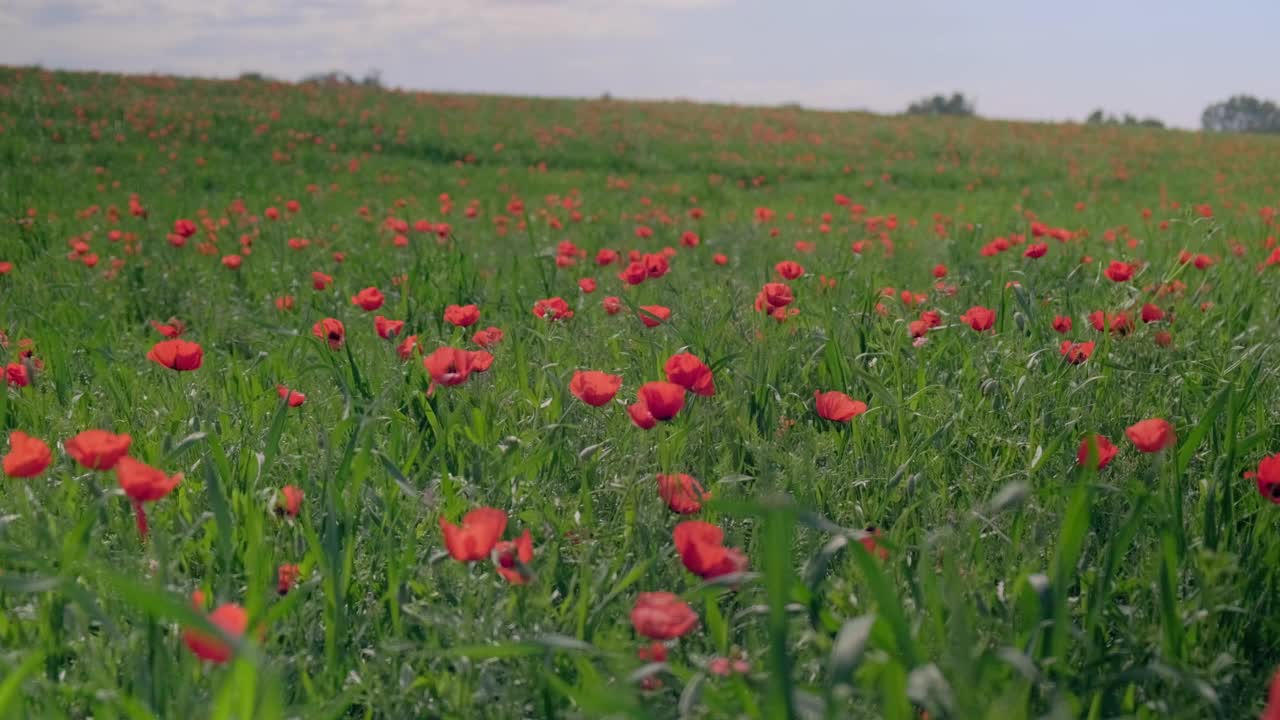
pixel 947 548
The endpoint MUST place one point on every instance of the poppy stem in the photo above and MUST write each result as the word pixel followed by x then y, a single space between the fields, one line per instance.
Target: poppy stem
pixel 140 517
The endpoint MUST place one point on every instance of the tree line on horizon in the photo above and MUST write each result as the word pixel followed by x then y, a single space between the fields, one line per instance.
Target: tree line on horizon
pixel 1237 114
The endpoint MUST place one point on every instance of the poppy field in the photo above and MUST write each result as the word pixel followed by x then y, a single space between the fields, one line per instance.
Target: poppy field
pixel 338 402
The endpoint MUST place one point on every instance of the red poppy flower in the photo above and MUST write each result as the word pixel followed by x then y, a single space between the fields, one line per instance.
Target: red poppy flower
pixel 232 262
pixel 654 652
pixel 656 265
pixel 662 616
pixel 1036 250
pixel 477 535
pixel 1118 271
pixel 660 400
pixel 406 347
pixel 837 406
pixel 294 398
pixel 1118 323
pixel 171 330
pixel 690 373
pixel 869 541
pixel 284 302
pixel 177 354
pixel 320 281
pixel 143 483
pixel 773 296
pixel 462 315
pixel 789 269
pixel 702 550
pixel 387 329
pixel 508 553
pixel 634 274
pixel 612 305
pixel 979 318
pixel 286 576
pixel 641 416
pixel 27 456
pixel 1106 451
pixel 682 494
pixel 15 374
pixel 593 387
pixel 552 309
pixel 720 259
pixel 606 257
pixel 98 449
pixel 654 315
pixel 587 285
pixel 1152 313
pixel 1151 435
pixel 369 299
pixel 185 228
pixel 231 619
pixel 452 366
pixel 1076 353
pixel 1267 477
pixel 1062 324
pixel 488 337
pixel 330 330
pixel 290 502
pixel 1272 711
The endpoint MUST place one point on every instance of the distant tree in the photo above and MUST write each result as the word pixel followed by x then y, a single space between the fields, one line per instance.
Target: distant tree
pixel 254 76
pixel 1100 117
pixel 940 104
pixel 371 79
pixel 1242 113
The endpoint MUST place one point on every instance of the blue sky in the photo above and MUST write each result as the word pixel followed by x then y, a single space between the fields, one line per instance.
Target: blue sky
pixel 1023 59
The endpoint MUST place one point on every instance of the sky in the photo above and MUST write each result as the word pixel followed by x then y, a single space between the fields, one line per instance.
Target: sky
pixel 1022 59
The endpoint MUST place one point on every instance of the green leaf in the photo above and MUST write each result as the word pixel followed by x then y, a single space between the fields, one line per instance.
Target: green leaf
pixel 1071 538
pixel 848 649
pixel 888 603
pixel 163 606
pixel 12 683
pixel 501 650
pixel 778 526
pixel 29 583
pixel 1197 434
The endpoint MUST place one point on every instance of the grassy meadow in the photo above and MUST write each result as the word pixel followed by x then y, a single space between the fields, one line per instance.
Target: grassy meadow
pixel 976 524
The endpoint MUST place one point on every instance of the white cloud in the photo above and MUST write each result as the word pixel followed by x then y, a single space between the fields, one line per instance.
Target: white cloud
pixel 289 38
